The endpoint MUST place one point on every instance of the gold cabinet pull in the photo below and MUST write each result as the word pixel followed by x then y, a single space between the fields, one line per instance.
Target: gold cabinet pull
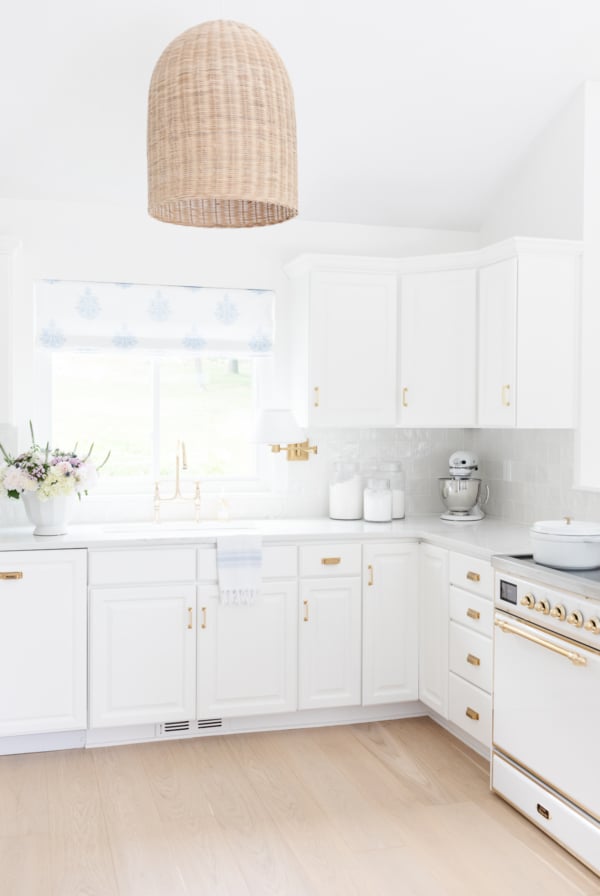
pixel 506 395
pixel 473 660
pixel 473 614
pixel 545 813
pixel 203 623
pixel 317 396
pixel 305 602
pixel 331 561
pixel 404 394
pixel 473 576
pixel 472 714
pixel 12 576
pixel 370 568
pixel 190 618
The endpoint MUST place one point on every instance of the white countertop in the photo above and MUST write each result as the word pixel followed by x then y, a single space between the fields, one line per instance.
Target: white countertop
pixel 483 538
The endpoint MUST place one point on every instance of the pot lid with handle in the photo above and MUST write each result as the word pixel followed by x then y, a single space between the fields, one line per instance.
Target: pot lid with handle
pixel 567 528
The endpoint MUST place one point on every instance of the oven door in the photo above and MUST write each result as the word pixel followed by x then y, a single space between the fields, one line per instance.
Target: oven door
pixel 547 708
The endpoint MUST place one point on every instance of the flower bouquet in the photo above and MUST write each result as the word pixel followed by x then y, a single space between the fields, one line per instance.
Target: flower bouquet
pixel 47 480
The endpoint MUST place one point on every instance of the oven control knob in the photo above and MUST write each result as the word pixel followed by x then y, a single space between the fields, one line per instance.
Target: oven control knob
pixel 543 606
pixel 593 625
pixel 575 618
pixel 528 600
pixel 558 612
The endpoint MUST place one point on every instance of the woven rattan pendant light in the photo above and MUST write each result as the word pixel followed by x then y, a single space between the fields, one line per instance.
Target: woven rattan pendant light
pixel 221 131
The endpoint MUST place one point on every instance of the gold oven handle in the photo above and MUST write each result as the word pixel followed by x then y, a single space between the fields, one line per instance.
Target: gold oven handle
pixel 576 658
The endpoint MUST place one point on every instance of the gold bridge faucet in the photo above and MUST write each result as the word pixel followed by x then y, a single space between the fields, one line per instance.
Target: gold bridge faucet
pixel 180 464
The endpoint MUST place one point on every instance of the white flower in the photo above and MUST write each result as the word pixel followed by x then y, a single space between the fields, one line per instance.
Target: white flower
pixel 18 480
pixel 63 467
pixel 87 476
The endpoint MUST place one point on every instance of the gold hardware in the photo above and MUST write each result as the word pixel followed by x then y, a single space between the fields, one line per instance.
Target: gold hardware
pixel 473 614
pixel 177 494
pixel 12 576
pixel 575 619
pixel 576 658
pixel 542 606
pixel 558 612
pixel 404 394
pixel 370 568
pixel 568 520
pixel 472 714
pixel 331 561
pixel 296 450
pixel 305 602
pixel 473 576
pixel 528 600
pixel 505 395
pixel 543 812
pixel 190 618
pixel 316 401
pixel 593 625
pixel 203 624
pixel 473 660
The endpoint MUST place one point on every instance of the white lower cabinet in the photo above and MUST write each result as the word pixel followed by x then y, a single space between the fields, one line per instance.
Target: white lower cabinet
pixel 43 641
pixel 142 655
pixel 330 642
pixel 248 655
pixel 390 672
pixel 433 628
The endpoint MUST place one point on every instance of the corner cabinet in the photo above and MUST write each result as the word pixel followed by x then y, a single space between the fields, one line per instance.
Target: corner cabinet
pixel 344 356
pixel 433 628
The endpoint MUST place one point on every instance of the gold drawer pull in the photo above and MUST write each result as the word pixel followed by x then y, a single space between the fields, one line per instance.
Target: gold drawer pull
pixel 473 576
pixel 404 396
pixel 317 397
pixel 370 568
pixel 190 618
pixel 203 625
pixel 472 714
pixel 331 561
pixel 11 575
pixel 473 614
pixel 473 660
pixel 305 602
pixel 506 396
pixel 545 813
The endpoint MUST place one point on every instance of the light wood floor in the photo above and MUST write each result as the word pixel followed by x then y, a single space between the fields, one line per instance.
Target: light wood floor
pixel 392 808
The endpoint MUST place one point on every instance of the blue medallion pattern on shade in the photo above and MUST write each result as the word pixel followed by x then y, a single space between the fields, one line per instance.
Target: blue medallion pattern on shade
pixel 51 336
pixel 193 342
pixel 260 343
pixel 226 311
pixel 124 338
pixel 159 307
pixel 88 305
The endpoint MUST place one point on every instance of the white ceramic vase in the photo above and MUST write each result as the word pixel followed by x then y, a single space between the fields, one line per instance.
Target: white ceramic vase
pixel 49 517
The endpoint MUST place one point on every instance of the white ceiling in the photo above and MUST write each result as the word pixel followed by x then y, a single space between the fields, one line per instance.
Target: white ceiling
pixel 410 112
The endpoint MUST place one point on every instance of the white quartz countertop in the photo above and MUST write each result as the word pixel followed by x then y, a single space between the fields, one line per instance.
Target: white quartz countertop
pixel 483 538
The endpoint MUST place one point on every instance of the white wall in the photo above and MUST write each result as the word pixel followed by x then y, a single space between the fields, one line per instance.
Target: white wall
pixel 543 194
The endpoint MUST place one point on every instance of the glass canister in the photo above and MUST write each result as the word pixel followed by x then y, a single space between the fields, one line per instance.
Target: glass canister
pixel 345 492
pixel 395 473
pixel 378 501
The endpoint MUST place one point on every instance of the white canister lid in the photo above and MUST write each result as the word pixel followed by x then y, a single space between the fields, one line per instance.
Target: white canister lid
pixel 378 485
pixel 567 528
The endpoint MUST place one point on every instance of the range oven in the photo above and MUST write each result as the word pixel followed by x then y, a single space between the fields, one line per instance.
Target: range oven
pixel 546 710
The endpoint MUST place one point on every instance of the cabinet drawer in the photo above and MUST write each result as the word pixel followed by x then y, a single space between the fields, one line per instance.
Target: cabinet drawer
pixel 322 560
pixel 471 709
pixel 554 816
pixel 474 612
pixel 471 656
pixel 139 566
pixel 472 574
pixel 278 562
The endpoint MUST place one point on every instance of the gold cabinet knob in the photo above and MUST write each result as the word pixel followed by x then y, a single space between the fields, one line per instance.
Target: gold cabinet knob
pixel 575 619
pixel 542 606
pixel 528 600
pixel 593 625
pixel 558 612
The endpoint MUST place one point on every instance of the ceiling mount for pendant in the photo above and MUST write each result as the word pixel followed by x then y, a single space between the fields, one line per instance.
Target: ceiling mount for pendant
pixel 221 131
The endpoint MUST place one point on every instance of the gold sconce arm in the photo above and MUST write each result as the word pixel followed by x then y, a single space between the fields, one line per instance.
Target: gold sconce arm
pixel 296 450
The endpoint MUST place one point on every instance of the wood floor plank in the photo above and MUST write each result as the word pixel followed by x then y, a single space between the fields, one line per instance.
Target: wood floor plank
pixel 24 794
pixel 25 867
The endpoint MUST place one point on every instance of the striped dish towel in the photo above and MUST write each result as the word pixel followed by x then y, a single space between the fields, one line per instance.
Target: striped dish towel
pixel 239 565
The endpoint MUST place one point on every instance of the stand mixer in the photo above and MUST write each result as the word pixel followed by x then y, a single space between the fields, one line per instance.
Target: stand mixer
pixel 460 492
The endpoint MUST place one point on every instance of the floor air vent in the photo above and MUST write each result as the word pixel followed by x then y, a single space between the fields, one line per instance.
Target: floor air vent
pixel 171 727
pixel 210 723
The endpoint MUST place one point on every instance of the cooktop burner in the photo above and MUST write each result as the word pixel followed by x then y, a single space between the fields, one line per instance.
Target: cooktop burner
pixel 583 575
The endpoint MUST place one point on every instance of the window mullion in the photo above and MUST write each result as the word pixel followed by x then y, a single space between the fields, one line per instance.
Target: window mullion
pixel 156 419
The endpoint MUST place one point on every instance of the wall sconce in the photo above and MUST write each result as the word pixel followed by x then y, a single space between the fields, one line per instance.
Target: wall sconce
pixel 278 426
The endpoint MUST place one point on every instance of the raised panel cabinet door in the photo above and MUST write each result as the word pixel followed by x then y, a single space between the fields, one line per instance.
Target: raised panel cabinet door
pixel 142 655
pixel 498 344
pixel 248 655
pixel 438 352
pixel 330 643
pixel 43 641
pixel 390 623
pixel 433 628
pixel 352 349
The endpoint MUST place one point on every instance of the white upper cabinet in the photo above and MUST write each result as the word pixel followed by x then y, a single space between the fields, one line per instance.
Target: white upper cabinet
pixel 498 343
pixel 344 336
pixel 438 353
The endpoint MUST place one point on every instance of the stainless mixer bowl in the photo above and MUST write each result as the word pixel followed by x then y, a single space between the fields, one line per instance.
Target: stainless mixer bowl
pixel 459 495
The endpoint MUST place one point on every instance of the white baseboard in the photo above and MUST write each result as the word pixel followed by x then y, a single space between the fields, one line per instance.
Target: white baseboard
pixel 42 743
